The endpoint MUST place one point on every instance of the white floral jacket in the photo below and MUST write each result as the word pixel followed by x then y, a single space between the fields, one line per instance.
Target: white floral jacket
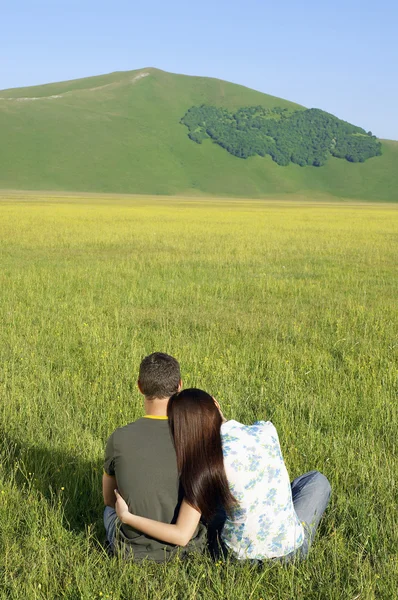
pixel 264 523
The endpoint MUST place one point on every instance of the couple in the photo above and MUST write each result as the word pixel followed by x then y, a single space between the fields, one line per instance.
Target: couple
pixel 183 465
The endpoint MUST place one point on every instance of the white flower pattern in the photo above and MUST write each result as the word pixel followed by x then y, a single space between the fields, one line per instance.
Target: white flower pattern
pixel 264 523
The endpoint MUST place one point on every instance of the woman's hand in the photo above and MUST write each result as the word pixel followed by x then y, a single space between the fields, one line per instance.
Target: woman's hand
pixel 179 533
pixel 122 510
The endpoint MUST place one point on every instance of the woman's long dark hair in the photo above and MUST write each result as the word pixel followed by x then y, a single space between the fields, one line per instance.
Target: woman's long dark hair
pixel 195 423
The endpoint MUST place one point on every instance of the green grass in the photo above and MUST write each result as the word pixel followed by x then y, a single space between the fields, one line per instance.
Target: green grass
pixel 283 311
pixel 118 134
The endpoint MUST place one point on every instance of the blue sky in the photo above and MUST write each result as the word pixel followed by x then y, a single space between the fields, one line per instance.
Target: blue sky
pixel 341 56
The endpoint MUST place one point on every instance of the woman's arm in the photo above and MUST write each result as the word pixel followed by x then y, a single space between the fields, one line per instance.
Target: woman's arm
pixel 179 534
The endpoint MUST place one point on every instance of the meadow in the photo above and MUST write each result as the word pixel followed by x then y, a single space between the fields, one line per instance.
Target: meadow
pixel 284 311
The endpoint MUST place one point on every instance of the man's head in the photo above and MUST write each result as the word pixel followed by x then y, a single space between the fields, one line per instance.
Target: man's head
pixel 159 376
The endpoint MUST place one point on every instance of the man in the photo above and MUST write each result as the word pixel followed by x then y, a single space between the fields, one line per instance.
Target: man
pixel 140 462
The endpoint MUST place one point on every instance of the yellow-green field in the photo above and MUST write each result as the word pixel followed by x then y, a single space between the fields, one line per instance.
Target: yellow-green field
pixel 282 311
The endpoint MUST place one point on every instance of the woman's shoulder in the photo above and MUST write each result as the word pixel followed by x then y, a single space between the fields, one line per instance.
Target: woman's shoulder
pixel 234 428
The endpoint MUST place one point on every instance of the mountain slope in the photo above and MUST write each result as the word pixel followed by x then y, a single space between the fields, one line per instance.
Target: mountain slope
pixel 121 133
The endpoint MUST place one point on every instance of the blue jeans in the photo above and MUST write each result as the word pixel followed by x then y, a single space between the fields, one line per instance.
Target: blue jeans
pixel 110 525
pixel 311 494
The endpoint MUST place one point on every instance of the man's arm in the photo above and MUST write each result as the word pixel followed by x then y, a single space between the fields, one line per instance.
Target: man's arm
pixel 108 478
pixel 108 487
pixel 179 534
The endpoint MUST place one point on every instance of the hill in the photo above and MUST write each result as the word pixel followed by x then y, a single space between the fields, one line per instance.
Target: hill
pixel 122 133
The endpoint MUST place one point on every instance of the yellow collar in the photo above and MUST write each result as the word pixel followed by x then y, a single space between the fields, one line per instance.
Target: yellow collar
pixel 159 417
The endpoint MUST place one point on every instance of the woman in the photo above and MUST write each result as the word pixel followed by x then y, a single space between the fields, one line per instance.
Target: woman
pixel 240 468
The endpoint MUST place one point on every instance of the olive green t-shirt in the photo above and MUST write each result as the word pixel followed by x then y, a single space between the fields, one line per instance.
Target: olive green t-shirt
pixel 142 458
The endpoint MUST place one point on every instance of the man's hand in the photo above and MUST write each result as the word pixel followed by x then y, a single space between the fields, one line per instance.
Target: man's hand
pixel 122 510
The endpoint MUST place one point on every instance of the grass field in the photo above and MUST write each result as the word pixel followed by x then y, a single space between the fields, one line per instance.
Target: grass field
pixel 282 311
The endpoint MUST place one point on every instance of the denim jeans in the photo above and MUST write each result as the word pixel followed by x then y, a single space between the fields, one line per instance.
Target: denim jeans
pixel 110 525
pixel 311 494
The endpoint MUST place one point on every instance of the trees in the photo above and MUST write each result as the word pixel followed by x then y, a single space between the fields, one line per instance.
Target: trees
pixel 304 137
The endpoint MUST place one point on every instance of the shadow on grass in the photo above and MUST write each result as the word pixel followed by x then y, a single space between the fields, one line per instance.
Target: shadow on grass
pixel 60 477
pixel 63 477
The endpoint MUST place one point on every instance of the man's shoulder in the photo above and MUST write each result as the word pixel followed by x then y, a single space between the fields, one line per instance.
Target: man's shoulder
pixel 142 428
pixel 130 427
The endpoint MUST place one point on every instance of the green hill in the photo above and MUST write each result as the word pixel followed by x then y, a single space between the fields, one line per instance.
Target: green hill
pixel 122 133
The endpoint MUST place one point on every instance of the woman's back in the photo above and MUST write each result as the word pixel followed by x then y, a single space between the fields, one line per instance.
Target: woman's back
pixel 264 523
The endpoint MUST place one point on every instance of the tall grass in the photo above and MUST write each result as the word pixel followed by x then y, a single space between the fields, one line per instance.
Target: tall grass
pixel 283 312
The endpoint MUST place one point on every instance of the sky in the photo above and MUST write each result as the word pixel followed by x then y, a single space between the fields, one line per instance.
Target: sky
pixel 340 56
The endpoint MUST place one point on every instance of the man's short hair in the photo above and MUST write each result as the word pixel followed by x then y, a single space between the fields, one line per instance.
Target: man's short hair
pixel 159 375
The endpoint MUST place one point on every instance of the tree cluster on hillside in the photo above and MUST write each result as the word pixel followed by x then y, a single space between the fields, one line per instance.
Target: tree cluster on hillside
pixel 304 137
